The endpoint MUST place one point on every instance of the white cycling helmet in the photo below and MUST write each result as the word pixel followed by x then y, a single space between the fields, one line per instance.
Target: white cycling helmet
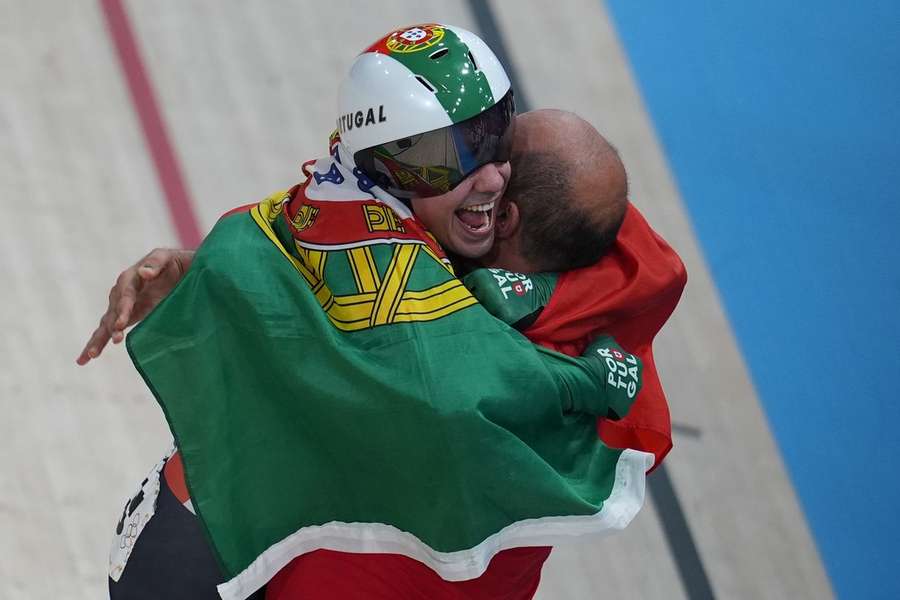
pixel 423 107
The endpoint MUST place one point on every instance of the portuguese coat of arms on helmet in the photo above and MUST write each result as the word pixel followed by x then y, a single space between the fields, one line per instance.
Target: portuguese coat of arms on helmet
pixel 414 39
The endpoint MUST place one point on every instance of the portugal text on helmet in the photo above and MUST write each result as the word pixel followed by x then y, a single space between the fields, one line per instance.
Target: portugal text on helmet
pixel 360 119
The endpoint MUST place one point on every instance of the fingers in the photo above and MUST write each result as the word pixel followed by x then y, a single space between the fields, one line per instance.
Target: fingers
pixel 129 292
pixel 107 330
pixel 128 287
pixel 97 342
pixel 85 356
pixel 157 261
pixel 126 290
pixel 121 300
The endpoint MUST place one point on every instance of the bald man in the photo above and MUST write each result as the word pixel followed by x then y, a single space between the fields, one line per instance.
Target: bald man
pixel 565 204
pixel 566 199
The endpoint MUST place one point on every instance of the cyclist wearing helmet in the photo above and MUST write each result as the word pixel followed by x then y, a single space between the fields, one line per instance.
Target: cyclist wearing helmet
pixel 427 114
pixel 450 166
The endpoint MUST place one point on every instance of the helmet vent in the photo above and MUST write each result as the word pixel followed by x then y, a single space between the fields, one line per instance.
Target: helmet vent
pixel 427 85
pixel 439 53
pixel 472 60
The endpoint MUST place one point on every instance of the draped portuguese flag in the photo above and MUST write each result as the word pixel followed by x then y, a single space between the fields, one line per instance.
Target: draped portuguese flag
pixel 331 384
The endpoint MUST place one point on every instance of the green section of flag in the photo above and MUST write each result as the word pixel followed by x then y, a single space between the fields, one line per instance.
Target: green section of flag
pixel 450 429
pixel 462 90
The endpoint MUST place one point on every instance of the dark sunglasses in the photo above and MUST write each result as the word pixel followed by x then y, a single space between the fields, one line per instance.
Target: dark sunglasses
pixel 434 162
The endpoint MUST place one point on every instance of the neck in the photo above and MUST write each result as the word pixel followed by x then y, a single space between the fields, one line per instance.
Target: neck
pixel 505 254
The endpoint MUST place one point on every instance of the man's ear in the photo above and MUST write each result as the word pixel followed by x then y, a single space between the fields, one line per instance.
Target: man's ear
pixel 507 221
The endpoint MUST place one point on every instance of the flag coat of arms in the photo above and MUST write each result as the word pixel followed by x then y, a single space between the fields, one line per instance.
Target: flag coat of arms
pixel 331 384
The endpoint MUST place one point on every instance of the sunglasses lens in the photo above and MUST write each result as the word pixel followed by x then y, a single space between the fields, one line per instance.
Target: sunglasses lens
pixel 433 163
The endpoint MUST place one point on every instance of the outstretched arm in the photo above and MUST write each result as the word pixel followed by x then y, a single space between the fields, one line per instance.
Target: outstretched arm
pixel 137 291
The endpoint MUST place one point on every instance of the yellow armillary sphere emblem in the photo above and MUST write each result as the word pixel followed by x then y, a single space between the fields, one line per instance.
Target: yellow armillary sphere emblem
pixel 414 39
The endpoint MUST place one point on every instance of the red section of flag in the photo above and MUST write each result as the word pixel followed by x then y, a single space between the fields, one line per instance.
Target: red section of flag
pixel 174 474
pixel 327 575
pixel 168 170
pixel 323 223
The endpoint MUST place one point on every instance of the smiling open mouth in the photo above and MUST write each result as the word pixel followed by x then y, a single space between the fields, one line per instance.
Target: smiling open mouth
pixel 477 218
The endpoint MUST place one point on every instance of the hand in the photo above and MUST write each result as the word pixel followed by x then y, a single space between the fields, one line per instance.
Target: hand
pixel 137 291
pixel 517 299
pixel 623 374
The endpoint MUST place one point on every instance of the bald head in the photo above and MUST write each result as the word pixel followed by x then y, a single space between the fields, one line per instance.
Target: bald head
pixel 596 172
pixel 570 188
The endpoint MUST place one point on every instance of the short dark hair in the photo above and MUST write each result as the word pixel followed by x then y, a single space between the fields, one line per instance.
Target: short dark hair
pixel 558 234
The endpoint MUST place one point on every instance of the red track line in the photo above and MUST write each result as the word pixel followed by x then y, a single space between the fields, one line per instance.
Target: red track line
pixel 168 170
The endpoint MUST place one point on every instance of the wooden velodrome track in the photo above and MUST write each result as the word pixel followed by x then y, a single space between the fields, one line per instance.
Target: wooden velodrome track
pixel 247 91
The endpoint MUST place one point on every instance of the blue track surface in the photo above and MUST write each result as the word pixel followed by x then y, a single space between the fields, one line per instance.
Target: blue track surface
pixel 781 122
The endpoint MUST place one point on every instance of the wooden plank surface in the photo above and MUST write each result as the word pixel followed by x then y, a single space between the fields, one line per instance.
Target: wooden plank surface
pixel 79 200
